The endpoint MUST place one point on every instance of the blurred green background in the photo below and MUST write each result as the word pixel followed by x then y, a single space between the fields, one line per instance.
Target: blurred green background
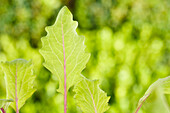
pixel 129 42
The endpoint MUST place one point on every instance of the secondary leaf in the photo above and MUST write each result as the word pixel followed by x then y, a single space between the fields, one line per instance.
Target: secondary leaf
pixel 90 97
pixel 5 102
pixel 158 88
pixel 19 80
pixel 63 50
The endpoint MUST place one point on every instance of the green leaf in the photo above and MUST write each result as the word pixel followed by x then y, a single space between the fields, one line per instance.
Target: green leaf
pixel 155 96
pixel 90 97
pixel 19 80
pixel 63 47
pixel 4 102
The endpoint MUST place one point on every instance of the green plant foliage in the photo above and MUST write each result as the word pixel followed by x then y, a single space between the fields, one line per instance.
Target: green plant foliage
pixel 158 103
pixel 53 49
pixel 4 102
pixel 19 80
pixel 128 41
pixel 90 97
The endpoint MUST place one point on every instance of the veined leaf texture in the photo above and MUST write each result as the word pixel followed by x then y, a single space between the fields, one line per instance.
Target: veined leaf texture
pixel 90 97
pixel 19 80
pixel 63 50
pixel 64 53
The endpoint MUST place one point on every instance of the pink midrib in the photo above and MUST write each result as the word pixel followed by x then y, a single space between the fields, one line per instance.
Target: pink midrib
pixel 65 77
pixel 92 100
pixel 16 98
pixel 94 104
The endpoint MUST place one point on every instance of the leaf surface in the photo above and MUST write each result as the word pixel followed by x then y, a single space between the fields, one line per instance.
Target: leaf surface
pixel 19 80
pixel 90 98
pixel 157 89
pixel 63 50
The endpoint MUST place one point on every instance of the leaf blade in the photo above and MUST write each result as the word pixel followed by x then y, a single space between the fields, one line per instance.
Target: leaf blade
pixel 160 83
pixel 90 98
pixel 19 80
pixel 52 49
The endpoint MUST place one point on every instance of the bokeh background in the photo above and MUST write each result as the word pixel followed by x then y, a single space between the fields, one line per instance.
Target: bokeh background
pixel 129 42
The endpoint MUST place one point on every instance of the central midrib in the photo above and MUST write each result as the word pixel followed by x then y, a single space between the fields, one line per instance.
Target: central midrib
pixel 65 77
pixel 92 98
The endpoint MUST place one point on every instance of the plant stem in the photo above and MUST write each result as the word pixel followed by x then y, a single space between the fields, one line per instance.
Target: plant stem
pixel 65 77
pixel 3 111
pixel 16 98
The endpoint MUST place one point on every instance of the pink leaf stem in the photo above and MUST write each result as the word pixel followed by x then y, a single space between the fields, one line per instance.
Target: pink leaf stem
pixel 3 111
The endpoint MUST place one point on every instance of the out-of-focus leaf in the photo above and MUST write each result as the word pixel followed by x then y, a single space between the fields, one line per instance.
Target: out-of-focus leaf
pixel 90 97
pixel 157 91
pixel 19 80
pixel 3 102
pixel 62 47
